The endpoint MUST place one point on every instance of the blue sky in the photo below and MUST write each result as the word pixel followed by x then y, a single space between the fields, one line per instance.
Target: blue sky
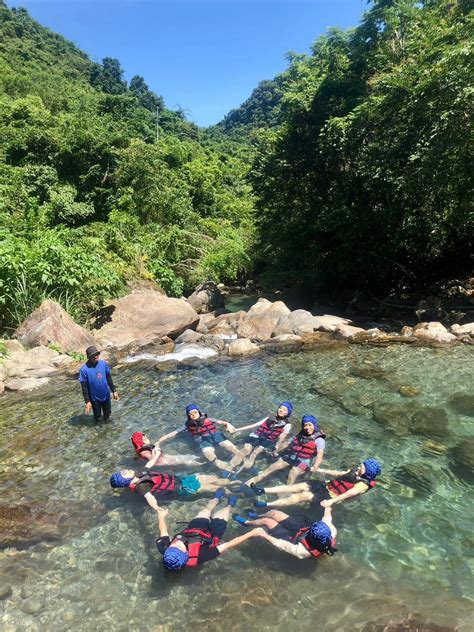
pixel 205 56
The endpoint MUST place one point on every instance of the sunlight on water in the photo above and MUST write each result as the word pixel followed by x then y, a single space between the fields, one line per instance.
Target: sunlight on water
pixel 78 556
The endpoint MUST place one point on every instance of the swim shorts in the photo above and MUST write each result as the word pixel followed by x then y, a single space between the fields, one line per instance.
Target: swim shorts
pixel 255 441
pixel 190 485
pixel 294 461
pixel 210 441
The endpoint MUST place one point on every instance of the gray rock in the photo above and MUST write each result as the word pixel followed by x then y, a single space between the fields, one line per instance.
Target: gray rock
pixel 462 459
pixel 32 606
pixel 433 331
pixel 462 404
pixel 50 323
pixel 206 298
pixel 44 371
pixel 430 422
pixel 188 337
pixel 13 346
pixel 5 591
pixel 418 476
pixel 212 342
pixel 463 330
pixel 26 384
pixel 348 331
pixel 367 372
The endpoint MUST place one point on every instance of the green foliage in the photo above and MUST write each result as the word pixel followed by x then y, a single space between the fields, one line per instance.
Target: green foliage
pixel 368 179
pixel 88 199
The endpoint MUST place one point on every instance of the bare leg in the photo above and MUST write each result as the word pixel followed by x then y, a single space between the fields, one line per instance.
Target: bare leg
pixel 249 461
pixel 180 459
pixel 293 475
pixel 230 447
pixel 238 458
pixel 210 454
pixel 224 513
pixel 270 519
pixel 274 467
pixel 211 483
pixel 293 499
pixel 287 489
pixel 208 509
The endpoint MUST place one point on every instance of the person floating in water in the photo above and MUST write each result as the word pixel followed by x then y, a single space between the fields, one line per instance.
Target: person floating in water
pixel 200 541
pixel 204 431
pixel 270 434
pixel 145 449
pixel 96 380
pixel 307 445
pixel 348 484
pixel 298 539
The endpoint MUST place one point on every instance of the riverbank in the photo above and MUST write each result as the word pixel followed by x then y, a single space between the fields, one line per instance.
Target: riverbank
pixel 148 327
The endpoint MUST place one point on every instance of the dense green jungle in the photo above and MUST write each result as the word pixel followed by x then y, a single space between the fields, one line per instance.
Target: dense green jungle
pixel 352 168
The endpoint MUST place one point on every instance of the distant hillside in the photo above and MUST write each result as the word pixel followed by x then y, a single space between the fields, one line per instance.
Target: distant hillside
pixel 92 195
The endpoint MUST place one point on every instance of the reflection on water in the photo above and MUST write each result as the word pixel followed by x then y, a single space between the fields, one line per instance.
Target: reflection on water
pixel 79 557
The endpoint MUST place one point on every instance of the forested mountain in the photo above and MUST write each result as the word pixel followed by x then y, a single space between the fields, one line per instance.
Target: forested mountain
pixel 89 197
pixel 367 180
pixel 353 168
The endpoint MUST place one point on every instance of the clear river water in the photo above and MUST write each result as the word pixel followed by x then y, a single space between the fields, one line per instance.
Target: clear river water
pixel 77 556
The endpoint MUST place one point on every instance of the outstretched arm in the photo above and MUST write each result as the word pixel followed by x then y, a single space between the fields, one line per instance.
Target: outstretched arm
pixel 359 488
pixel 282 441
pixel 333 472
pixel 226 546
pixel 288 547
pixel 318 461
pixel 327 518
pixel 162 513
pixel 227 425
pixel 167 437
pixel 250 426
pixel 151 500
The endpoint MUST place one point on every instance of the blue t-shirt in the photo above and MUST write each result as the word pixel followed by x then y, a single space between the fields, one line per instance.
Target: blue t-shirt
pixel 96 378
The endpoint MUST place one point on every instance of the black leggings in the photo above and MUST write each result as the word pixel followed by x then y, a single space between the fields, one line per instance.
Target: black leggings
pixel 101 407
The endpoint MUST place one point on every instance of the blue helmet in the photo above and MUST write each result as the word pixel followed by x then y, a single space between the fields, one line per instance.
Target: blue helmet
pixel 309 419
pixel 117 480
pixel 191 407
pixel 174 559
pixel 289 406
pixel 372 469
pixel 320 533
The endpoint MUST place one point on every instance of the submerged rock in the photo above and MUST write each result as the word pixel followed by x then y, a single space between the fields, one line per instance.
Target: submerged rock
pixel 418 476
pixel 395 416
pixel 462 459
pixel 5 591
pixel 31 606
pixel 430 422
pixel 409 391
pixel 369 372
pixel 462 403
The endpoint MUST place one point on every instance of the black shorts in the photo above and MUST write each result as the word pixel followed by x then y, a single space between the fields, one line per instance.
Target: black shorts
pixel 287 529
pixel 320 491
pixel 260 441
pixel 215 526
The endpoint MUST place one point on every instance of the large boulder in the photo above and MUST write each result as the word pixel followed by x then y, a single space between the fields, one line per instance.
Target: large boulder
pixel 51 324
pixel 329 323
pixel 225 325
pixel 463 330
pixel 144 314
pixel 243 347
pixel 261 319
pixel 31 362
pixel 298 322
pixel 348 331
pixel 433 332
pixel 206 298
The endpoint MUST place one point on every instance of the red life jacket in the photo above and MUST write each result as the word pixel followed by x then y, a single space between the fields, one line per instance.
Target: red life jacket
pixel 304 446
pixel 301 537
pixel 193 540
pixel 160 481
pixel 271 428
pixel 202 427
pixel 343 483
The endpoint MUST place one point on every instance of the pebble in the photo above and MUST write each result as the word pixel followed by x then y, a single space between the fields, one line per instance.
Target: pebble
pixel 32 606
pixel 5 591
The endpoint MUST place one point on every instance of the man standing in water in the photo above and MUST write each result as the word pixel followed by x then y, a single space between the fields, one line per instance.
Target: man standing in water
pixel 96 380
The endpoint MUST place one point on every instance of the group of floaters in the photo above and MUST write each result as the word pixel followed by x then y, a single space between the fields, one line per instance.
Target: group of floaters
pixel 201 541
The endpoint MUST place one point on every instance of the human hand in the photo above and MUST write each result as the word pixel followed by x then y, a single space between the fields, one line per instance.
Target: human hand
pixel 88 408
pixel 326 503
pixel 229 427
pixel 259 532
pixel 116 396
pixel 162 511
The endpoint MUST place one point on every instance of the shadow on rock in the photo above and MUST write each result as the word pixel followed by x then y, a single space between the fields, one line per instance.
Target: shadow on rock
pixel 430 422
pixel 462 460
pixel 417 476
pixel 462 403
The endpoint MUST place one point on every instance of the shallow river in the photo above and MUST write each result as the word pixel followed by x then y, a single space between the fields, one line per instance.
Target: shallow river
pixel 78 556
